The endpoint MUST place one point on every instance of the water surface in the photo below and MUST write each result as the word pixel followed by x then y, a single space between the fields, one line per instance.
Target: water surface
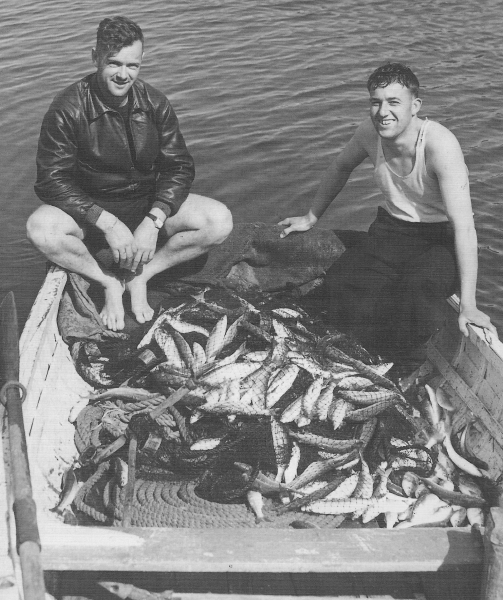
pixel 267 92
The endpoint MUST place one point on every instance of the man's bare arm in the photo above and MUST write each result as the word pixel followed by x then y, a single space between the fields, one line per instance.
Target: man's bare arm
pixel 447 161
pixel 332 182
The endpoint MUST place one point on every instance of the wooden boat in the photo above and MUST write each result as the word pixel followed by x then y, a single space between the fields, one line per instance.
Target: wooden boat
pixel 443 562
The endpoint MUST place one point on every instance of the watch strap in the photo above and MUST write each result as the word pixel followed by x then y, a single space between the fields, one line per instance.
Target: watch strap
pixel 157 222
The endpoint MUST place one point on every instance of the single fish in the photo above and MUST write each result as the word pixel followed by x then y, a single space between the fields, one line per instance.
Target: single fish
pixel 329 444
pixel 457 459
pixel 70 485
pixel 121 471
pixel 254 386
pixel 459 499
pixel 367 431
pixel 458 516
pixel 309 365
pixel 93 373
pixel 232 331
pixel 346 489
pixel 292 411
pixel 410 482
pixel 167 344
pixel 363 398
pixel 183 349
pixel 435 411
pixel 228 372
pixel 293 464
pixel 227 407
pixel 281 444
pixel 322 406
pixel 184 327
pixel 318 493
pixel 353 383
pixel 362 414
pixel 215 341
pixel 257 356
pixel 206 444
pixel 127 394
pixel 381 489
pixel 286 313
pixel 265 485
pixel 256 502
pixel 199 358
pixel 337 507
pixel 382 369
pixel 446 464
pixel 228 360
pixel 443 401
pixel 384 504
pixel 280 329
pixel 365 485
pixel 337 412
pixel 280 383
pixel 319 468
pixel 475 516
pixel 428 510
pixel 311 396
pixel 468 486
pixel 149 336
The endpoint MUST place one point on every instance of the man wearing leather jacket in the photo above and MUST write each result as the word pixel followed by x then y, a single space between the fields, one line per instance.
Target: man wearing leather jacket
pixel 113 172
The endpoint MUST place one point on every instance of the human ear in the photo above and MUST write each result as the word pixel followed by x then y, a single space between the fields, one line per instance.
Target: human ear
pixel 416 105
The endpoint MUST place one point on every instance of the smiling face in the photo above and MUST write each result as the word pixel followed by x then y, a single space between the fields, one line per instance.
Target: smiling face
pixel 392 109
pixel 117 73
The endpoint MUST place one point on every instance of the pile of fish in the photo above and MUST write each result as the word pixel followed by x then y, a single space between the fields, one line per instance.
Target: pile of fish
pixel 268 403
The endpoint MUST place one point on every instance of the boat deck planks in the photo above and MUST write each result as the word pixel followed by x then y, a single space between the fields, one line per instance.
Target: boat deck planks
pixel 267 550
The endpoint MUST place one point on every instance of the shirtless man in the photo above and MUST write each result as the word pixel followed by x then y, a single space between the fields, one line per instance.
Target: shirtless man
pixel 114 173
pixel 423 244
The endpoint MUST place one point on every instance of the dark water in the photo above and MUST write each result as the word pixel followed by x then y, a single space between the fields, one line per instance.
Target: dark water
pixel 266 92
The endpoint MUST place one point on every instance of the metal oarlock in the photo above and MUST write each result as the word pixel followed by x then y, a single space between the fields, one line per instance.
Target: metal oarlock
pixel 12 385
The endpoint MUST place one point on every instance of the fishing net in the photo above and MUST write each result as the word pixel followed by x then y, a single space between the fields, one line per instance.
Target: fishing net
pixel 259 407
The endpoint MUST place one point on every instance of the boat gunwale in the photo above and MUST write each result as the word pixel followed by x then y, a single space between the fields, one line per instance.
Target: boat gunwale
pixel 317 556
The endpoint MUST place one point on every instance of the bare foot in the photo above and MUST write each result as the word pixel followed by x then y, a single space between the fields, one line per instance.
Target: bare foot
pixel 112 312
pixel 137 287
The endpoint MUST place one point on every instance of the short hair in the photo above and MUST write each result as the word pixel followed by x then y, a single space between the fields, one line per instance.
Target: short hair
pixel 393 73
pixel 115 33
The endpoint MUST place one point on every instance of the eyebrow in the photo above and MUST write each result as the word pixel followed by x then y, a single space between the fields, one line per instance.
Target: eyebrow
pixel 388 99
pixel 118 62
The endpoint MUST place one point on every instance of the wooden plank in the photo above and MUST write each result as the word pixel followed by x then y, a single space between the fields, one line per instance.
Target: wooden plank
pixel 466 394
pixel 67 548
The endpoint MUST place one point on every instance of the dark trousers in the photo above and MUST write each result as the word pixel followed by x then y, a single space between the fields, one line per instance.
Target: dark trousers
pixel 390 288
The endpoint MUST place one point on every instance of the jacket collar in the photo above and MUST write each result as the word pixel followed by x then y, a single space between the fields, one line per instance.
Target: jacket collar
pixel 97 107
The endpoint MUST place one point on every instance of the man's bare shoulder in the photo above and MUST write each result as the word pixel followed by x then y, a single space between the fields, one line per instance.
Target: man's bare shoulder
pixel 366 137
pixel 439 138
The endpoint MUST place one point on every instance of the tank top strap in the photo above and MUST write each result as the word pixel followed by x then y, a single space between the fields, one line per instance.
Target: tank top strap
pixel 420 162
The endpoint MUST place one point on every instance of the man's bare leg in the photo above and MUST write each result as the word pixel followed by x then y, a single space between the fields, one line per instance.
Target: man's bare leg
pixel 200 224
pixel 60 239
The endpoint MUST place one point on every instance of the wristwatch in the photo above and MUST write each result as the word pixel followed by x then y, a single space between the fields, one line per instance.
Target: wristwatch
pixel 157 222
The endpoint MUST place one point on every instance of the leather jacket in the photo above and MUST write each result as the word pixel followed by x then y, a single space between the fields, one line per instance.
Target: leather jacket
pixel 83 152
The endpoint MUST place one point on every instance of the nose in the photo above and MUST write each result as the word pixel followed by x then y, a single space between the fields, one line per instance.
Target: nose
pixel 123 72
pixel 383 109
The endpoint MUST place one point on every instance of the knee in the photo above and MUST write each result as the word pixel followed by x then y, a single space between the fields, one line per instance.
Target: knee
pixel 428 284
pixel 218 224
pixel 37 230
pixel 42 231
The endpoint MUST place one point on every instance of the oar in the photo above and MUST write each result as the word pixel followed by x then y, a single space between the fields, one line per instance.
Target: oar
pixel 27 536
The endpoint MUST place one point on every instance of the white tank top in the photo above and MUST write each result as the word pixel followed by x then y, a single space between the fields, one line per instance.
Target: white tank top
pixel 415 197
